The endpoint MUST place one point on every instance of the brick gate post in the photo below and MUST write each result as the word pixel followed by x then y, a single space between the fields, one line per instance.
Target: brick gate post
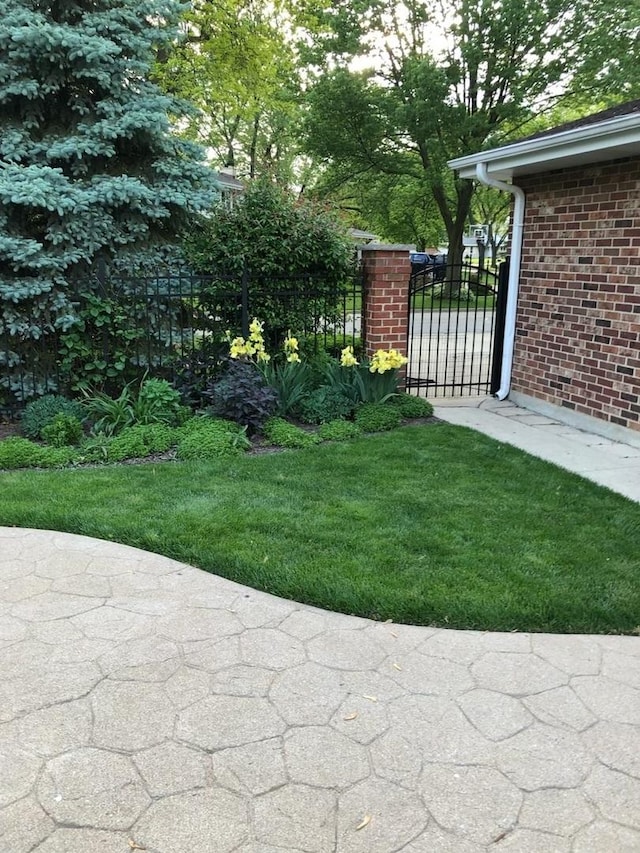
pixel 386 306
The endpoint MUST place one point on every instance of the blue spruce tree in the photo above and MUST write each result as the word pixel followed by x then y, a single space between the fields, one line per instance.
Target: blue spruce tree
pixel 89 165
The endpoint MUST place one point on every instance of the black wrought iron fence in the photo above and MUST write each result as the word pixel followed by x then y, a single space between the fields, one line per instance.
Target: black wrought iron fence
pixel 172 324
pixel 452 329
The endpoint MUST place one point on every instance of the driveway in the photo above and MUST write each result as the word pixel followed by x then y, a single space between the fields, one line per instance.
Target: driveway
pixel 147 705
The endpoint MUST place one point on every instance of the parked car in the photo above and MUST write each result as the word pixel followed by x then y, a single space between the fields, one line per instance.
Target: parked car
pixel 422 262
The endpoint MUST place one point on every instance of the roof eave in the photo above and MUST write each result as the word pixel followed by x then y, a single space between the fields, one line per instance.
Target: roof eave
pixel 608 140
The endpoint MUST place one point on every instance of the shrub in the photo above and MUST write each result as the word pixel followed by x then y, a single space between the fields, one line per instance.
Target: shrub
pixel 64 430
pixel 242 395
pixel 325 404
pixel 157 402
pixel 212 441
pixel 412 407
pixel 285 434
pixel 339 431
pixel 377 417
pixel 18 452
pixel 39 413
pixel 286 242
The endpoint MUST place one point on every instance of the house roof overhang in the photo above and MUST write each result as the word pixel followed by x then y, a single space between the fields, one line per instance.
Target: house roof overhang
pixel 607 140
pixel 228 182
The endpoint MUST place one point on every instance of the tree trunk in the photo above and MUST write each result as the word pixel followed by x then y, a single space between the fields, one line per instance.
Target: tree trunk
pixel 453 275
pixel 456 249
pixel 481 253
pixel 253 150
pixel 455 226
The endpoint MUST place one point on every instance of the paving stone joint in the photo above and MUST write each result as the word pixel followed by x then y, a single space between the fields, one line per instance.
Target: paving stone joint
pixel 147 705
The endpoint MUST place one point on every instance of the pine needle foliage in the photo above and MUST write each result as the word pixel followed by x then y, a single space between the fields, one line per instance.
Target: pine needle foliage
pixel 89 165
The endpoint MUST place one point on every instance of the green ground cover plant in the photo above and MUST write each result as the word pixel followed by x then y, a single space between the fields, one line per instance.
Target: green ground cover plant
pixel 431 525
pixel 213 438
pixel 325 404
pixel 16 452
pixel 411 407
pixel 339 430
pixel 377 417
pixel 285 434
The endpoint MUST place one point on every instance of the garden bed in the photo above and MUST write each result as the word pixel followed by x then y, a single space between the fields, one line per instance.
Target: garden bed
pixel 258 445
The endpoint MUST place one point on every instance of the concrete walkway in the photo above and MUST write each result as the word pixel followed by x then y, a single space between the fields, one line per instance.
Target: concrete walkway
pixel 147 705
pixel 610 463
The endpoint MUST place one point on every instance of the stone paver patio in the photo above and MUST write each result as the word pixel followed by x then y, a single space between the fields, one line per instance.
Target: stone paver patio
pixel 147 705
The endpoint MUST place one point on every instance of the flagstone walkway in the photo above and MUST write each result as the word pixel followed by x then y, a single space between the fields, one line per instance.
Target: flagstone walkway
pixel 147 705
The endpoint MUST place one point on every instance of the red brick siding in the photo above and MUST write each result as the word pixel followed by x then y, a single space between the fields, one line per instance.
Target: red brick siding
pixel 578 328
pixel 386 315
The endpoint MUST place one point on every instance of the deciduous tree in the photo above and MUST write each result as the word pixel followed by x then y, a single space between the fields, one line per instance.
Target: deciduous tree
pixel 237 66
pixel 445 78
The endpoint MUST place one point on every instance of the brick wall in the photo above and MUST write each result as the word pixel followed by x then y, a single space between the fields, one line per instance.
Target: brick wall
pixel 386 311
pixel 578 329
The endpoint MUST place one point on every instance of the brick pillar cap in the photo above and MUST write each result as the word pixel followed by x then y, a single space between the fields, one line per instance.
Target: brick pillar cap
pixel 388 247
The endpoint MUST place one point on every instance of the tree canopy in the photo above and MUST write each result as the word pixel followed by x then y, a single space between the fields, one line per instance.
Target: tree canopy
pixel 444 78
pixel 238 68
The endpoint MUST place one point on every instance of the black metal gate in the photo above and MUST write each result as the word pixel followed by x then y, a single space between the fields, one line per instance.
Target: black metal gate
pixel 456 322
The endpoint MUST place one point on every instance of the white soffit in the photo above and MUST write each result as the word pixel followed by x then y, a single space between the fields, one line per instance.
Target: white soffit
pixel 607 140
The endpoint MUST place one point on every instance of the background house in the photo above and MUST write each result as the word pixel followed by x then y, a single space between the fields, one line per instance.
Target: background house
pixel 575 336
pixel 229 186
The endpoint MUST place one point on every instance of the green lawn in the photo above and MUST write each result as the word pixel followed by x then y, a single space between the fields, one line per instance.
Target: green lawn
pixel 433 525
pixel 426 301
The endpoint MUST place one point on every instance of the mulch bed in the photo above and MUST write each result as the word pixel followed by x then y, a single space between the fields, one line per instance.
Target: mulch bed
pixel 8 428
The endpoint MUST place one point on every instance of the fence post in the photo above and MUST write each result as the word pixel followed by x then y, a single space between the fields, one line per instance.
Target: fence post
pixel 101 278
pixel 387 269
pixel 101 274
pixel 501 313
pixel 245 300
